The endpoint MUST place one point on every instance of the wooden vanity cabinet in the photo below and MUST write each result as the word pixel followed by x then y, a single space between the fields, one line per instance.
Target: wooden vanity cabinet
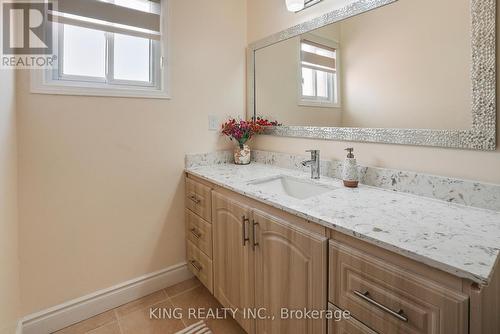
pixel 290 272
pixel 199 231
pixel 389 298
pixel 253 256
pixel 233 258
pixel 264 262
pixel 200 265
pixel 198 198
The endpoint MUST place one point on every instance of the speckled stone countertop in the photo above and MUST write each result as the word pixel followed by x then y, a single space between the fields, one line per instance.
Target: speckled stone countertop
pixel 458 239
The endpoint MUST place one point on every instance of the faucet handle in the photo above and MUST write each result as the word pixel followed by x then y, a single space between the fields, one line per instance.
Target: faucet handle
pixel 350 150
pixel 314 154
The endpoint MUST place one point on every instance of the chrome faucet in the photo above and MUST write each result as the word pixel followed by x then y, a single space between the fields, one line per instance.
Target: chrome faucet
pixel 314 163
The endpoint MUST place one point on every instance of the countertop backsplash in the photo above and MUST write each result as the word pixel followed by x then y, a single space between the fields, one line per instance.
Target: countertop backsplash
pixel 470 193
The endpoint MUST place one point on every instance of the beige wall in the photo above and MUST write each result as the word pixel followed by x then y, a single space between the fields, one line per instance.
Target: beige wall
pixel 9 259
pixel 101 184
pixel 270 16
pixel 403 68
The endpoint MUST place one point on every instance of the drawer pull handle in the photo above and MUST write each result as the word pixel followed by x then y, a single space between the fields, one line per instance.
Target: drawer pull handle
pixel 254 226
pixel 195 199
pixel 244 227
pixel 196 265
pixel 400 315
pixel 196 234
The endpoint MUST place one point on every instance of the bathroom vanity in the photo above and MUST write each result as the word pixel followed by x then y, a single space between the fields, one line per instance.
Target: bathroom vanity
pixel 379 71
pixel 398 263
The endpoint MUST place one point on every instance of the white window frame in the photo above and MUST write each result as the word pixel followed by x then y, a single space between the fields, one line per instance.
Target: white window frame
pixel 56 82
pixel 307 101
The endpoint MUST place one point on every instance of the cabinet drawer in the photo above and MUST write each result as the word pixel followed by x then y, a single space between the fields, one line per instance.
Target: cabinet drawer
pixel 346 326
pixel 198 199
pixel 199 232
pixel 200 265
pixel 390 299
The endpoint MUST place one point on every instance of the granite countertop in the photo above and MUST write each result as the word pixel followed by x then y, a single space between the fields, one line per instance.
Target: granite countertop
pixel 458 239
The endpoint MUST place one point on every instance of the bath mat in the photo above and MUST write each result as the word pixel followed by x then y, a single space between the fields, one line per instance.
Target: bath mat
pixel 197 328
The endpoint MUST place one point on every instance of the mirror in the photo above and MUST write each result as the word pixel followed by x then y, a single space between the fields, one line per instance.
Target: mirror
pixel 378 73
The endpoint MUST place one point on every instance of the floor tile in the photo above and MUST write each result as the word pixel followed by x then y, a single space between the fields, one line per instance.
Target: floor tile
pixel 141 303
pixel 182 287
pixel 140 322
pixel 112 328
pixel 135 318
pixel 201 298
pixel 197 299
pixel 90 324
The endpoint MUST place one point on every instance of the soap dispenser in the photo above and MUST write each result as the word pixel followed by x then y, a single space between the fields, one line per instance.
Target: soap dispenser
pixel 350 170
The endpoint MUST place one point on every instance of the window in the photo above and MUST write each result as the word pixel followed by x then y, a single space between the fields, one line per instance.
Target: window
pixel 90 55
pixel 318 70
pixel 107 47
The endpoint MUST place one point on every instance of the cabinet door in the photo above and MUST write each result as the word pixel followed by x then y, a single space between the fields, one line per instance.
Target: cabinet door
pixel 198 199
pixel 199 232
pixel 290 273
pixel 391 299
pixel 200 265
pixel 233 257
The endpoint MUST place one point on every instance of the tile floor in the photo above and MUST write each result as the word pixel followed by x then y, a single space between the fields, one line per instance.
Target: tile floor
pixel 134 317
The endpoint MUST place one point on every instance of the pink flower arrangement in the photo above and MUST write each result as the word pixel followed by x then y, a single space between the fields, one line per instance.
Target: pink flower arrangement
pixel 242 131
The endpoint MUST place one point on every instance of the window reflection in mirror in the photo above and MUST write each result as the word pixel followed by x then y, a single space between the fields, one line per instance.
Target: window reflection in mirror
pixel 318 68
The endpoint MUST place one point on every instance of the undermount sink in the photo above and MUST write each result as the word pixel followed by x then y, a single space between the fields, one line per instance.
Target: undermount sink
pixel 290 186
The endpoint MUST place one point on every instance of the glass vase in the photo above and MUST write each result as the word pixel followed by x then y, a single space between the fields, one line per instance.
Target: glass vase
pixel 242 155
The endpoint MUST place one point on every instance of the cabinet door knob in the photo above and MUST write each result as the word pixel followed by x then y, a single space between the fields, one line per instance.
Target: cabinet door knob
pixel 244 227
pixel 254 227
pixel 196 265
pixel 195 199
pixel 196 234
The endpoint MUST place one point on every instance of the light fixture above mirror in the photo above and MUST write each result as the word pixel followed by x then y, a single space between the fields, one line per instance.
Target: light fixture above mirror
pixel 298 5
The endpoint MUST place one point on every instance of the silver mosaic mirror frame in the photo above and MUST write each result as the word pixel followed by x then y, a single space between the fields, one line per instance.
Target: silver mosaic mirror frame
pixel 481 135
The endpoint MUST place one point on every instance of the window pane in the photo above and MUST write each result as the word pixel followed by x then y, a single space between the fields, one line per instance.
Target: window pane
pixel 307 82
pixel 142 5
pixel 132 58
pixel 84 52
pixel 326 52
pixel 322 84
pixel 307 47
pixel 335 88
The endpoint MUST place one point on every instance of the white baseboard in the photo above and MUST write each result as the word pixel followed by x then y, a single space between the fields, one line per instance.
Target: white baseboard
pixel 19 328
pixel 76 310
